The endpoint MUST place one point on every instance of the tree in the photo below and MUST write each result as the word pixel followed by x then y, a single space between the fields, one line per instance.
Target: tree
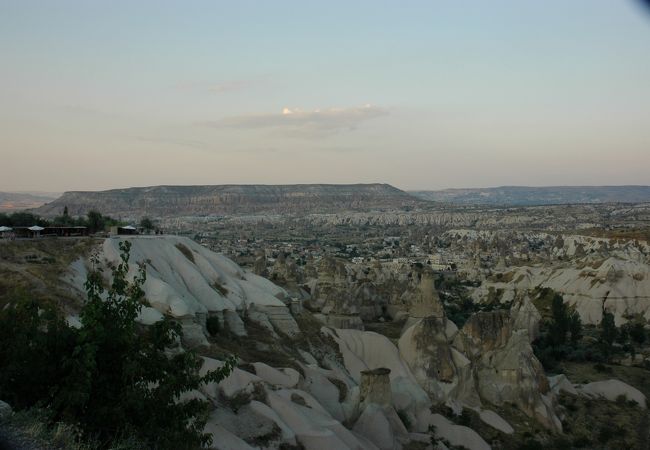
pixel 560 324
pixel 608 333
pixel 552 346
pixel 34 339
pixel 147 224
pixel 95 221
pixel 575 327
pixel 638 333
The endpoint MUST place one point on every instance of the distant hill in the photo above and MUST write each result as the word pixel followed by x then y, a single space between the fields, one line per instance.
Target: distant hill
pixel 169 201
pixel 15 201
pixel 526 196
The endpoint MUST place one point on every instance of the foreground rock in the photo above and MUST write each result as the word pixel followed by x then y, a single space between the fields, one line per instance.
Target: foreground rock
pixel 5 410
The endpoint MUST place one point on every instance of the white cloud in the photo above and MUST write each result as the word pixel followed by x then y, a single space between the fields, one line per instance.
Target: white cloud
pixel 295 121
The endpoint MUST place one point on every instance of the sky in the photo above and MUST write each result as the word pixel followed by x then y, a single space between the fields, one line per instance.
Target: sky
pixel 419 94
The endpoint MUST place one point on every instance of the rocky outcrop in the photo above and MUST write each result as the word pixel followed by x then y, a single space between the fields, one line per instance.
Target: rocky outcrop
pixel 375 387
pixel 188 282
pixel 440 369
pixel 424 302
pixel 506 369
pixel 332 295
pixel 525 316
pixel 5 410
pixel 486 331
pixel 488 360
pixel 285 272
pixel 591 286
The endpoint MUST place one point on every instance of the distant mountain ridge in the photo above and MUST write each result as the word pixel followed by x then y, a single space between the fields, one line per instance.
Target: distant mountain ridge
pixel 547 195
pixel 170 201
pixel 14 201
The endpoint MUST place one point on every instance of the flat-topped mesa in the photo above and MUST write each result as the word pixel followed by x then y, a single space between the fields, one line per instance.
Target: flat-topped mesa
pixel 175 201
pixel 375 388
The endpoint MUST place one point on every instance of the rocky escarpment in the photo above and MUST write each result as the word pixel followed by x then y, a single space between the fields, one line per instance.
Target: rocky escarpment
pixel 547 195
pixel 175 201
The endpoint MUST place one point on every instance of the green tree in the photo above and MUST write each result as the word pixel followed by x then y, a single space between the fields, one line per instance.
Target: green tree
pixel 638 333
pixel 560 324
pixel 575 327
pixel 608 333
pixel 147 224
pixel 95 221
pixel 34 339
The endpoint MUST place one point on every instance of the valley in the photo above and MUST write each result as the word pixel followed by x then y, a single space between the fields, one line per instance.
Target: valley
pixel 392 329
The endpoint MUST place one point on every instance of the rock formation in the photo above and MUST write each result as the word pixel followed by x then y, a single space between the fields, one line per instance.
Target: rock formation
pixel 332 295
pixel 506 368
pixel 375 388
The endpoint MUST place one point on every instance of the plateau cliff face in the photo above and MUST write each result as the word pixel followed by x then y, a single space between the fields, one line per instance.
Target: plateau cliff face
pixel 548 195
pixel 174 201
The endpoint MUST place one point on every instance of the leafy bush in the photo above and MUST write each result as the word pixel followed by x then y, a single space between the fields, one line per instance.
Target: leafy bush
pixel 561 335
pixel 213 325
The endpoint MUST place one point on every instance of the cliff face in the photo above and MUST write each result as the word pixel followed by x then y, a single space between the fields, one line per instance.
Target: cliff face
pixel 547 195
pixel 231 199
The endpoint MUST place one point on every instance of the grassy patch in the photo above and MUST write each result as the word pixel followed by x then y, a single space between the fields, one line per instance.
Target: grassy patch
pixel 598 423
pixel 36 266
pixel 34 426
pixel 588 372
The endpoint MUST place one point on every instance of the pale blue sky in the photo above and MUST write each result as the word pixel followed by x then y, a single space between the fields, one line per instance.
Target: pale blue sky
pixel 427 94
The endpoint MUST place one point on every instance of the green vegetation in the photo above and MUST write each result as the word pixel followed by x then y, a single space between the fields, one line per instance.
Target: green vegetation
pixel 563 338
pixel 36 427
pixel 592 423
pixel 213 325
pixel 110 377
pixel 94 220
pixel 561 334
pixel 458 305
pixel 147 224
